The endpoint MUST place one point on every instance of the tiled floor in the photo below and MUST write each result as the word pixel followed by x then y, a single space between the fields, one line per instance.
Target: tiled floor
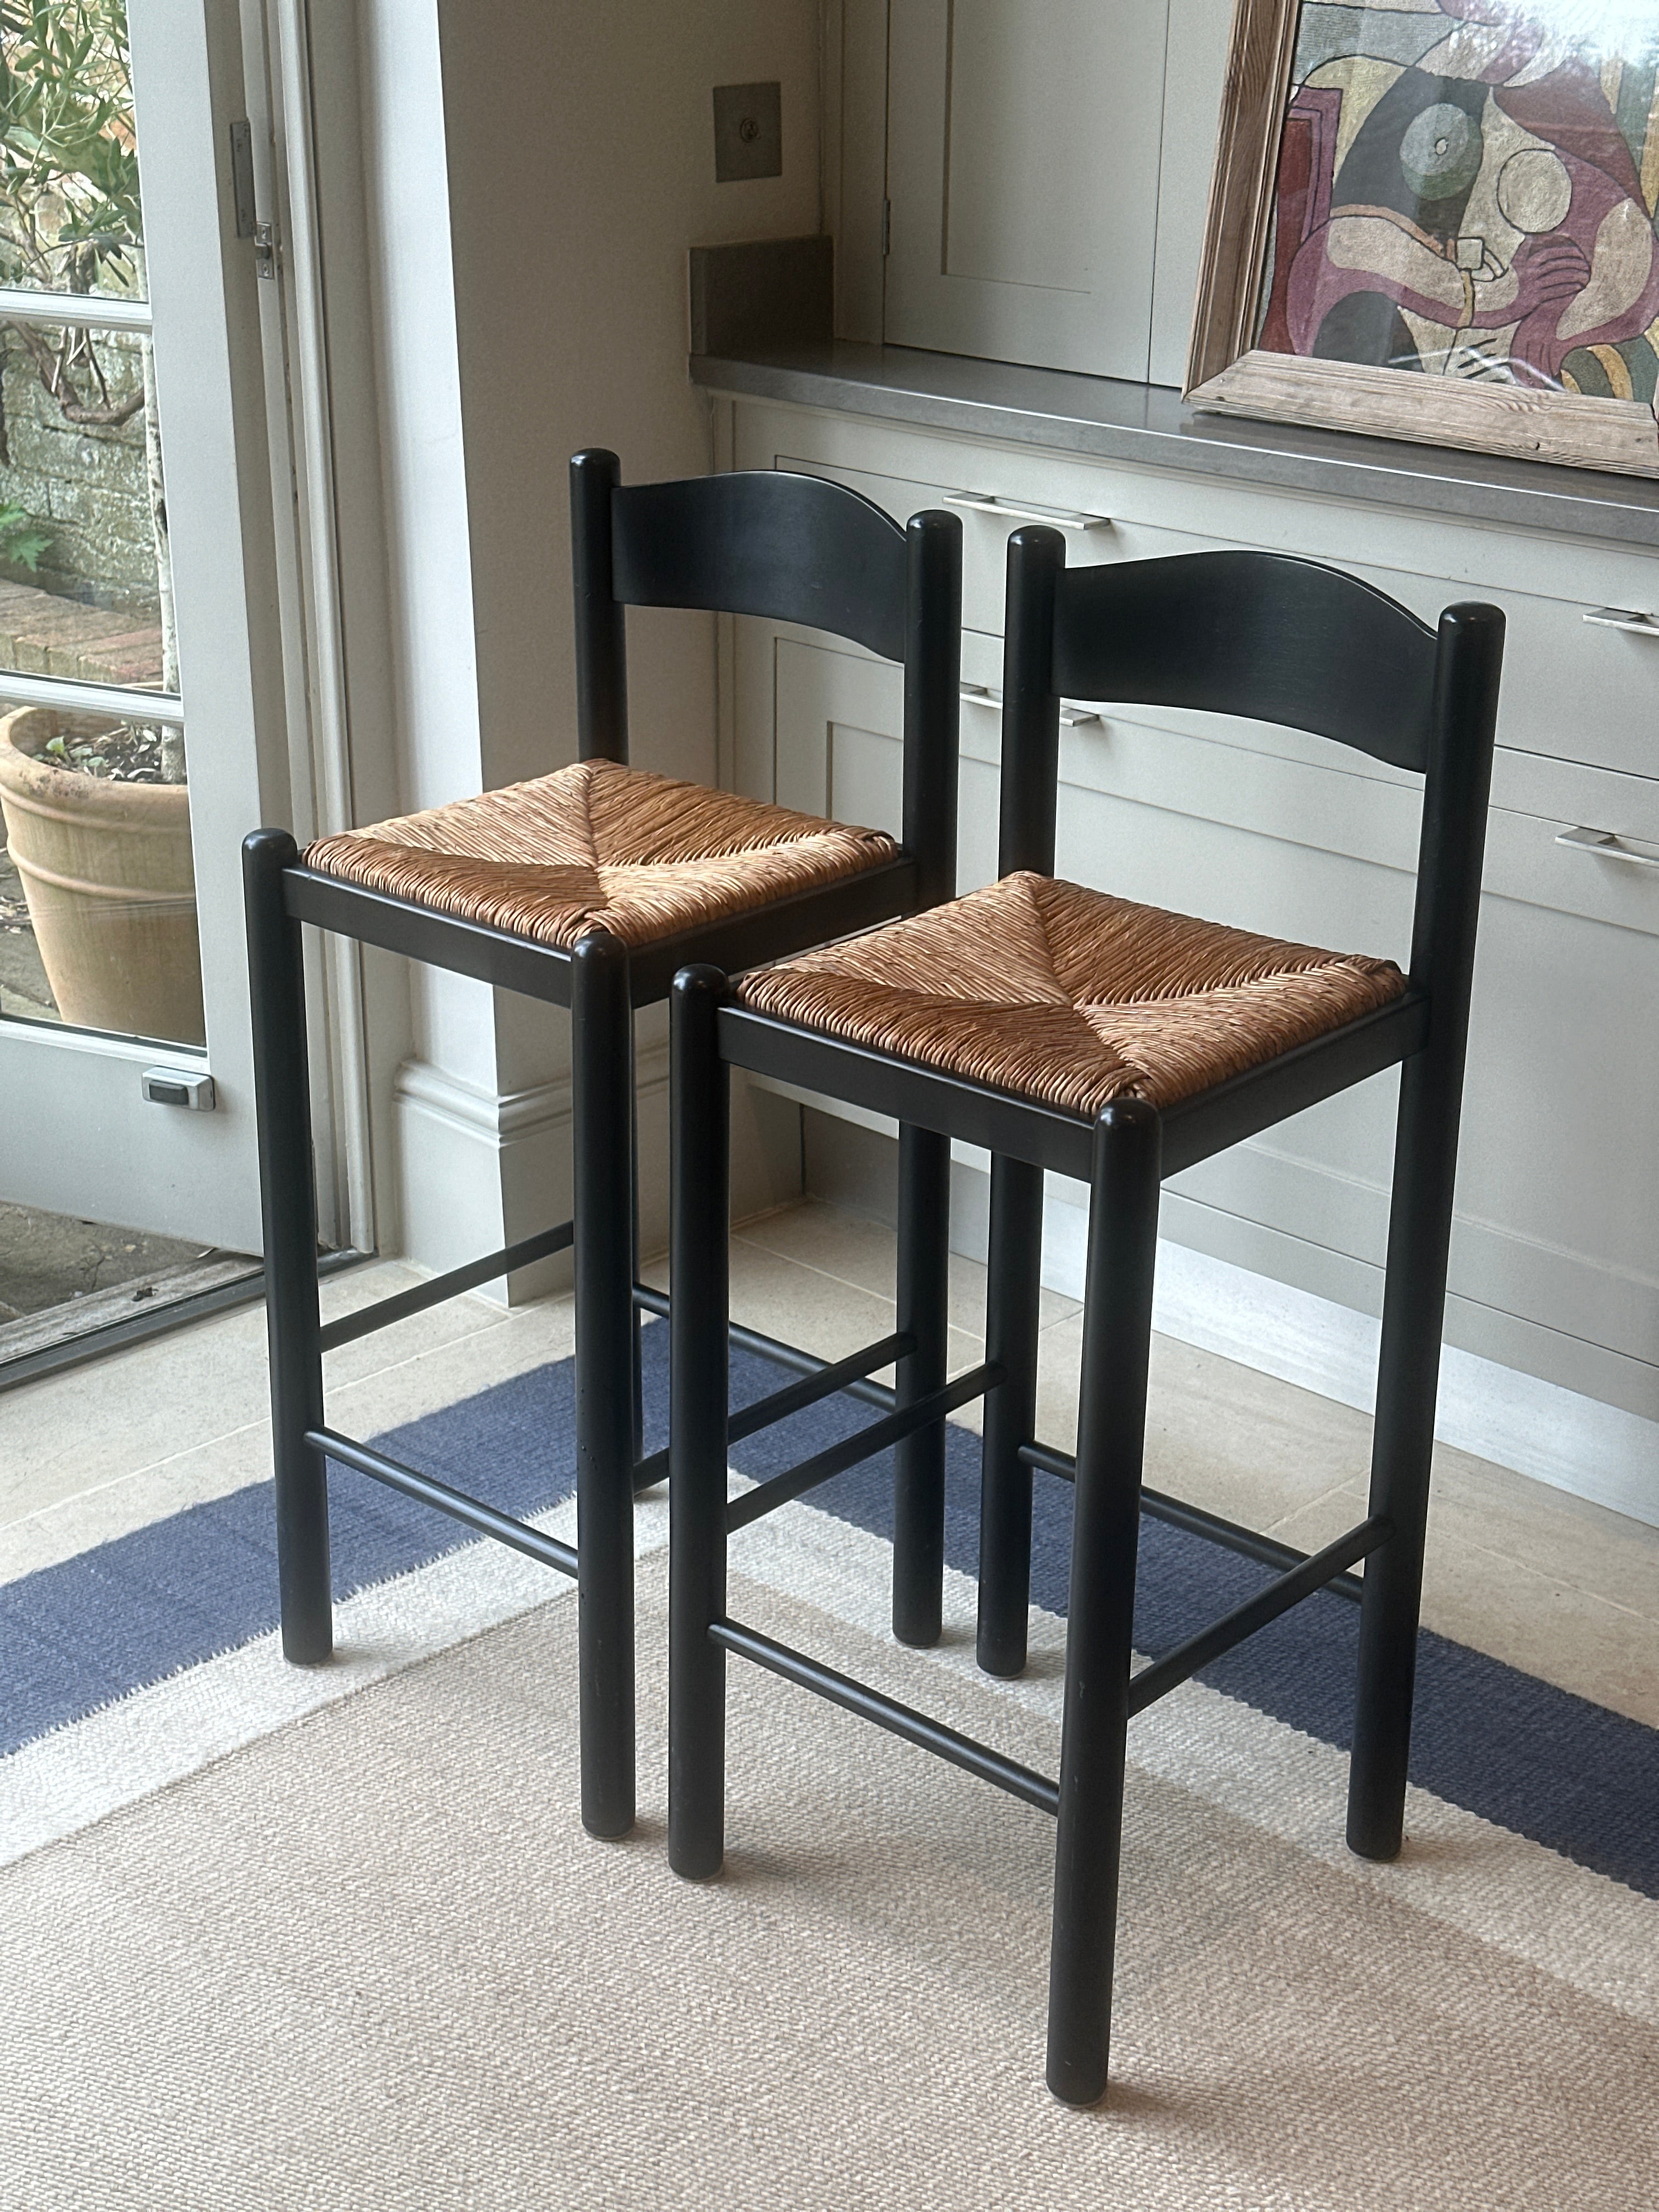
pixel 1563 1588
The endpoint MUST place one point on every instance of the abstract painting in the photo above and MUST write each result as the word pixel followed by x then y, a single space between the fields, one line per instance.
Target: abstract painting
pixel 1461 193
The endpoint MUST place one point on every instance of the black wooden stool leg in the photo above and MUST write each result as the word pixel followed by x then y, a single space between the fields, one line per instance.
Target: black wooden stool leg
pixel 924 1288
pixel 1117 1324
pixel 601 1036
pixel 699 1358
pixel 637 1408
pixel 1011 1321
pixel 287 1194
pixel 1419 1220
pixel 1402 1449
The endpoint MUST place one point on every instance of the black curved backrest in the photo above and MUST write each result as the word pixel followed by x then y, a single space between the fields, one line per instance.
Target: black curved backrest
pixel 792 548
pixel 1269 638
pixel 1262 634
pixel 764 542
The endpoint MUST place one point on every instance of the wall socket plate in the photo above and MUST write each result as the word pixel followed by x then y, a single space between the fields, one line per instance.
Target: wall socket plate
pixel 747 132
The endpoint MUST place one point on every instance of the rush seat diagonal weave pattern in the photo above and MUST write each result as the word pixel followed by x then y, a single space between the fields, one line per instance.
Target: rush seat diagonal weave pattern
pixel 599 845
pixel 1071 997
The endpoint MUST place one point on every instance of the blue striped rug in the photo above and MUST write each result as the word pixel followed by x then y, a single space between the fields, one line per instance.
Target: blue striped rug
pixel 1534 1759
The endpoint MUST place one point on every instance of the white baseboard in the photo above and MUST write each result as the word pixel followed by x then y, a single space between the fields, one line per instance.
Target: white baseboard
pixel 474 1167
pixel 1554 1435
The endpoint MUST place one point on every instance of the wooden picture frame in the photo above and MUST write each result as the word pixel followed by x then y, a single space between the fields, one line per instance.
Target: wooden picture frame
pixel 1491 388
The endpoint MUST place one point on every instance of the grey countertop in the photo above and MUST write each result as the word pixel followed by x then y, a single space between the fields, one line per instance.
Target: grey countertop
pixel 1148 423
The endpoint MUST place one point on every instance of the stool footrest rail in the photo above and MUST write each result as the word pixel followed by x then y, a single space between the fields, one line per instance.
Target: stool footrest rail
pixel 1197 1522
pixel 774 1348
pixel 863 1444
pixel 886 1712
pixel 381 1315
pixel 430 1492
pixel 793 1398
pixel 1279 1596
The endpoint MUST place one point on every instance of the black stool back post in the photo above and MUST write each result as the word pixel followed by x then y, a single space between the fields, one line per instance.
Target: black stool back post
pixel 601 636
pixel 602 734
pixel 1029 797
pixel 933 672
pixel 1459 780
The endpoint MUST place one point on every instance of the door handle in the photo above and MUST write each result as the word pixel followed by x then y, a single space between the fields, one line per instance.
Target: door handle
pixel 1629 618
pixel 1062 518
pixel 981 694
pixel 1607 845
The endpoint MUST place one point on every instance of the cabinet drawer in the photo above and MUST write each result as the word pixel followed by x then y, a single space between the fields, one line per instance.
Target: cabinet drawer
pixel 1574 689
pixel 986 523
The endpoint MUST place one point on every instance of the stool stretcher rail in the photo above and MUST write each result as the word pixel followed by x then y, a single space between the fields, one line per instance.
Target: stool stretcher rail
pixel 864 1445
pixel 1197 1522
pixel 1280 1596
pixel 456 1503
pixel 385 1311
pixel 774 1348
pixel 886 1712
pixel 794 1398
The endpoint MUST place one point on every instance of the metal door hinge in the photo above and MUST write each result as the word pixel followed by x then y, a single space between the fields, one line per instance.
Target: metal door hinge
pixel 244 192
pixel 886 228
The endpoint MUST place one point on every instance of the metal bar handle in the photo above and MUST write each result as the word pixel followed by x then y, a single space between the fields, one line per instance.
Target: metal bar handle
pixel 1062 518
pixel 1607 845
pixel 1633 619
pixel 981 694
pixel 80 311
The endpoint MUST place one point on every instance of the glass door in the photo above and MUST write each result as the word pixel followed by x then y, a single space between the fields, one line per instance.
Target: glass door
pixel 139 670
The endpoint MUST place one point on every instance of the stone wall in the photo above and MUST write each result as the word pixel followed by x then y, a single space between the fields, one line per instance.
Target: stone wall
pixel 87 486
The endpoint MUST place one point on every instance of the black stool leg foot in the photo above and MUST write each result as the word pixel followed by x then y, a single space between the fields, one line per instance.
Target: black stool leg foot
pixel 1402 1448
pixel 602 1030
pixel 1111 1436
pixel 699 1361
pixel 1014 1287
pixel 924 1260
pixel 289 1201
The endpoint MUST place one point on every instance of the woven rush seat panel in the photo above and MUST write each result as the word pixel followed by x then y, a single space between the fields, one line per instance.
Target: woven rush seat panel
pixel 599 845
pixel 1071 997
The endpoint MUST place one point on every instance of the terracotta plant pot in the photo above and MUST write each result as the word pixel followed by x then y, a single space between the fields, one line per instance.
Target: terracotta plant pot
pixel 107 870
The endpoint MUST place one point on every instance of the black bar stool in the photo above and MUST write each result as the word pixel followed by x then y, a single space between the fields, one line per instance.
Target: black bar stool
pixel 588 888
pixel 1061 1029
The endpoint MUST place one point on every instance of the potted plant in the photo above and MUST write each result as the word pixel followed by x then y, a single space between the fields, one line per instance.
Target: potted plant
pixel 99 828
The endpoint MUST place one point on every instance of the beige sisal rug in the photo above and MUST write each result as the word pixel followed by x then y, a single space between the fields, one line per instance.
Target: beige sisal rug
pixel 369 1961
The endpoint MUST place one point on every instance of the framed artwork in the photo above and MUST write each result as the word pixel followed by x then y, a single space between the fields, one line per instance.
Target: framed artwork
pixel 1434 219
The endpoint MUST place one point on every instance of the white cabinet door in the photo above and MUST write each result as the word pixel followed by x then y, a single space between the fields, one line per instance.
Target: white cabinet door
pixel 819 728
pixel 1022 172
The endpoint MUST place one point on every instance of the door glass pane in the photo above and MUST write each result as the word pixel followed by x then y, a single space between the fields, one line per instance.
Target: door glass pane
pixel 85 582
pixel 97 889
pixel 69 216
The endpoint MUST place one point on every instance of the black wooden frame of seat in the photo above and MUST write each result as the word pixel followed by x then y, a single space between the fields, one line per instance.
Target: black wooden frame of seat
pixel 796 548
pixel 1245 633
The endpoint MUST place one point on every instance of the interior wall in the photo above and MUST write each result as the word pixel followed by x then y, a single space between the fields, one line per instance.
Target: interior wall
pixel 581 167
pixel 535 171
